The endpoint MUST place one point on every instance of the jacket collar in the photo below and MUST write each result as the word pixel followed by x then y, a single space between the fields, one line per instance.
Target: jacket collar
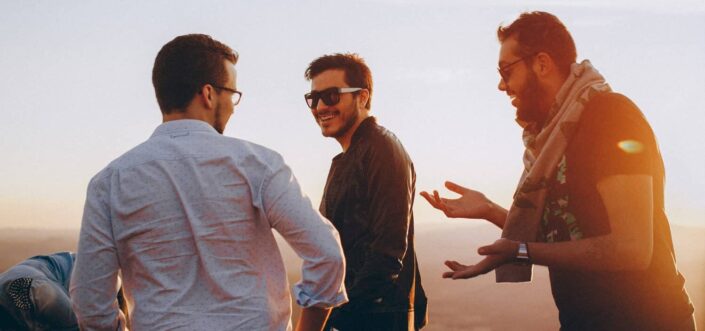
pixel 365 127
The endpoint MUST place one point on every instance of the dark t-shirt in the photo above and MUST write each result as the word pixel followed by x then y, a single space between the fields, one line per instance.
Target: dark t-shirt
pixel 612 138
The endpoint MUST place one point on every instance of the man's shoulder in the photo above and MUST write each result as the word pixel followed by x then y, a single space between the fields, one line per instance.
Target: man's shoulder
pixel 239 151
pixel 244 148
pixel 383 148
pixel 611 104
pixel 384 140
pixel 613 111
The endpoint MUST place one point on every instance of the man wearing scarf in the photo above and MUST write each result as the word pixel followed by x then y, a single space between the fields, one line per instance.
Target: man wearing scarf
pixel 589 204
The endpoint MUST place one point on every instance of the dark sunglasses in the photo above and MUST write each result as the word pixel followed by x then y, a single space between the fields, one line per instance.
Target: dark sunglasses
pixel 330 96
pixel 504 71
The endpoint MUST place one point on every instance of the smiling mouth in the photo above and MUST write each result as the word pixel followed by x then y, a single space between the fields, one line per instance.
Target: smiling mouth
pixel 326 116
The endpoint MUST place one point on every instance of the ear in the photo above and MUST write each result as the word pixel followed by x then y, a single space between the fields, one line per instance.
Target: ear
pixel 362 98
pixel 543 64
pixel 207 96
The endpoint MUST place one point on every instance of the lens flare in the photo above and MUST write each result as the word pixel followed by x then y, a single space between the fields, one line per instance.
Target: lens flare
pixel 631 146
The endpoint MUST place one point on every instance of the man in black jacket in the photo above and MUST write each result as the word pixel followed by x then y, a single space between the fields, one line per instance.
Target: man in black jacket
pixel 368 196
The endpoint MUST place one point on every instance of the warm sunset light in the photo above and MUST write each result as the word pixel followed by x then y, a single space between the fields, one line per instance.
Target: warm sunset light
pixel 77 93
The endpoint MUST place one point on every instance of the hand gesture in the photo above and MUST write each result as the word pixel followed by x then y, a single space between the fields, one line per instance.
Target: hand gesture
pixel 470 204
pixel 497 254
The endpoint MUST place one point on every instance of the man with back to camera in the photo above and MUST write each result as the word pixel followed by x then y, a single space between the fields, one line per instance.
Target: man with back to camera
pixel 368 196
pixel 590 202
pixel 187 216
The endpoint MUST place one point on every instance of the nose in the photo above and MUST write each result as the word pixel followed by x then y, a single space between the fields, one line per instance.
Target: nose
pixel 321 106
pixel 502 86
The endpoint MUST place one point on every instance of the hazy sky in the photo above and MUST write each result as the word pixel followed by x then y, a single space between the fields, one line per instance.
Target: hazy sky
pixel 75 81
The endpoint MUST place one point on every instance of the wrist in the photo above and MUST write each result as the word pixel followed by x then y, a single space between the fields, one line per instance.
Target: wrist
pixel 496 214
pixel 522 254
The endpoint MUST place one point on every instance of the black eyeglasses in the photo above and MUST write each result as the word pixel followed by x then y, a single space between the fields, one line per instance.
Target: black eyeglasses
pixel 237 95
pixel 504 73
pixel 330 96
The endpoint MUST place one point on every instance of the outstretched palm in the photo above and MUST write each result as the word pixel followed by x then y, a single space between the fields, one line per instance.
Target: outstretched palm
pixel 470 204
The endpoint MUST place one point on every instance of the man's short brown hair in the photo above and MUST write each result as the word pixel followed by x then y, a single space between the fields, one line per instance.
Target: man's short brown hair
pixel 357 74
pixel 541 32
pixel 184 65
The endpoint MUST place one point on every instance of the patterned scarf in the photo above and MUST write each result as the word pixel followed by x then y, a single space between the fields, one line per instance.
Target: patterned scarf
pixel 545 147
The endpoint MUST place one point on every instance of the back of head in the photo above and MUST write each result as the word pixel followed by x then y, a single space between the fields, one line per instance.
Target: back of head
pixel 542 32
pixel 357 74
pixel 184 65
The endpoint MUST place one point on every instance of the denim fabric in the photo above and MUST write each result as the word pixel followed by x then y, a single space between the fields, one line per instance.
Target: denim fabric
pixel 49 306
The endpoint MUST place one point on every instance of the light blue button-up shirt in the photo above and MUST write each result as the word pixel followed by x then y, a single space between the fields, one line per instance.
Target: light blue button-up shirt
pixel 186 218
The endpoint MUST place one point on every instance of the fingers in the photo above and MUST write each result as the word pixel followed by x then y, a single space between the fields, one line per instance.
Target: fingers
pixel 460 271
pixel 433 200
pixel 440 202
pixel 486 265
pixel 454 266
pixel 488 250
pixel 455 187
pixel 464 271
pixel 428 198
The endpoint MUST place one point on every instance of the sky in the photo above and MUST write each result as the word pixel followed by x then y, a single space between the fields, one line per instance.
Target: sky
pixel 75 87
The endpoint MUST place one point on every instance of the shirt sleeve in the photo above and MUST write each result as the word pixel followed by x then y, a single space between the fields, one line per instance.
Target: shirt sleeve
pixel 312 237
pixel 94 282
pixel 390 188
pixel 616 139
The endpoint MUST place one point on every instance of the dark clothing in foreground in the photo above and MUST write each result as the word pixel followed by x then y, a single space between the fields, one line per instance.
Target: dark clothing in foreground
pixel 369 196
pixel 34 294
pixel 612 138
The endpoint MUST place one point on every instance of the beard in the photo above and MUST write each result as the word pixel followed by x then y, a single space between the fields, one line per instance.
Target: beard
pixel 531 108
pixel 347 116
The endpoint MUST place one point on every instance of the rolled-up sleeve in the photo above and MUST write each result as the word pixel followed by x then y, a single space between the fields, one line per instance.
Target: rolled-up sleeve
pixel 94 282
pixel 312 237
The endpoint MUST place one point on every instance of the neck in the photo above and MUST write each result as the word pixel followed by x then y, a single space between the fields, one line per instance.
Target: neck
pixel 346 138
pixel 188 114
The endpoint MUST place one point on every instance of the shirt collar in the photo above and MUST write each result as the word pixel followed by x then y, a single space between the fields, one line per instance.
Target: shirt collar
pixel 362 130
pixel 176 126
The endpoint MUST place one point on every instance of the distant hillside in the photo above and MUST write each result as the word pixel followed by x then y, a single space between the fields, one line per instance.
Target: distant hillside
pixel 476 304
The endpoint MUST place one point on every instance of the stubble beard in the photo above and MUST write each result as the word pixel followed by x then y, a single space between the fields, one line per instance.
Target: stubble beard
pixel 531 109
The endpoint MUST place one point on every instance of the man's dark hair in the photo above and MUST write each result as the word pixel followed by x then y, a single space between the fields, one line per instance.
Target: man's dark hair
pixel 184 65
pixel 541 32
pixel 357 74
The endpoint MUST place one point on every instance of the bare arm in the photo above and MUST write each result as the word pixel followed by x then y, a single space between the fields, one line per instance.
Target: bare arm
pixel 628 200
pixel 312 319
pixel 470 204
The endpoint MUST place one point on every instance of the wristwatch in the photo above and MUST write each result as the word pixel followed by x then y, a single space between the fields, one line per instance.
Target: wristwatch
pixel 523 253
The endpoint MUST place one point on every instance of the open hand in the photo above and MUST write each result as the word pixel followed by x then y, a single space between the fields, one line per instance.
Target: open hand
pixel 500 252
pixel 470 204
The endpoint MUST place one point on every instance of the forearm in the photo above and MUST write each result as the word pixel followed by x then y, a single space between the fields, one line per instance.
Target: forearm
pixel 628 202
pixel 375 278
pixel 598 253
pixel 497 215
pixel 312 319
pixel 312 237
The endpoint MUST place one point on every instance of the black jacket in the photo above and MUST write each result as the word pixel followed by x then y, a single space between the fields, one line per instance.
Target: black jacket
pixel 369 197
